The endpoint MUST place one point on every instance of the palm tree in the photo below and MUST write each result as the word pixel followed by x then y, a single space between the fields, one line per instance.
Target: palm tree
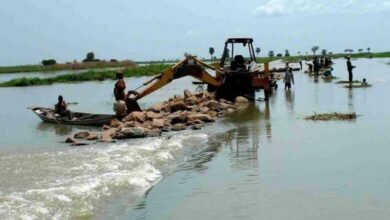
pixel 211 52
pixel 314 49
pixel 323 52
pixel 271 54
pixel 368 49
pixel 258 50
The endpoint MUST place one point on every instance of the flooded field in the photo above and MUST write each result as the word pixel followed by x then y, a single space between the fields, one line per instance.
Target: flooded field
pixel 8 76
pixel 262 162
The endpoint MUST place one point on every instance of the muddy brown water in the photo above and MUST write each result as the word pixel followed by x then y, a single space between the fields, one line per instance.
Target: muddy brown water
pixel 261 162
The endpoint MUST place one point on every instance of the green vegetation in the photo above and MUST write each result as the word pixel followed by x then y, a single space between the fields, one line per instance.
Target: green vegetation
pixel 363 55
pixel 332 116
pixel 357 86
pixel 86 76
pixel 90 57
pixel 66 66
pixel 49 62
pixel 340 55
pixel 346 81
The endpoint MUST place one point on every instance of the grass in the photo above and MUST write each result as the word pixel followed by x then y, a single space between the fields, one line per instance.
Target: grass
pixel 329 77
pixel 86 76
pixel 332 116
pixel 66 66
pixel 346 81
pixel 357 86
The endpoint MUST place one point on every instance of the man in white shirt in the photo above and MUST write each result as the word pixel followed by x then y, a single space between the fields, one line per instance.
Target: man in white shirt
pixel 288 78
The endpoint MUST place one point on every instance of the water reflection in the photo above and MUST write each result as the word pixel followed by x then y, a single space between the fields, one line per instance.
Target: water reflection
pixel 350 100
pixel 267 117
pixel 243 140
pixel 316 77
pixel 289 95
pixel 61 130
pixel 58 129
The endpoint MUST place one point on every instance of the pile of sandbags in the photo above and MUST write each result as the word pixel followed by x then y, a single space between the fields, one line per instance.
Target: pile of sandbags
pixel 177 113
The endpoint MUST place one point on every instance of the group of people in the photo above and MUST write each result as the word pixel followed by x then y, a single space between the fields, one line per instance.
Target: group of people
pixel 318 64
pixel 124 103
pixel 323 63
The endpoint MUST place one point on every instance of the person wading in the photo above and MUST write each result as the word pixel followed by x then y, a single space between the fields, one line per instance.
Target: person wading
pixel 316 66
pixel 350 68
pixel 288 78
pixel 120 86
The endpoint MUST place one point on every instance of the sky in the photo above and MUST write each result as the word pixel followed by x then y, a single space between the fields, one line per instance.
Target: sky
pixel 65 30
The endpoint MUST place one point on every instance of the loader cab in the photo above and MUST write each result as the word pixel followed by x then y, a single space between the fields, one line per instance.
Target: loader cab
pixel 238 53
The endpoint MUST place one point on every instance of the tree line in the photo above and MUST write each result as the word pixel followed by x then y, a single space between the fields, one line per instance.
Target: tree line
pixel 271 53
pixel 89 57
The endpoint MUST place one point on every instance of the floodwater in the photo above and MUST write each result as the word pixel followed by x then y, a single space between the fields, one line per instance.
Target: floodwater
pixel 263 162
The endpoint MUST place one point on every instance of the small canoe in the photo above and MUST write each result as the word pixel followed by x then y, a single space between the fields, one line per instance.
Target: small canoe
pixel 78 118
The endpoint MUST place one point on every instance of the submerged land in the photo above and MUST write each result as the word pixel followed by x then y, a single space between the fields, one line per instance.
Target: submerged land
pixel 90 75
pixel 130 69
pixel 66 66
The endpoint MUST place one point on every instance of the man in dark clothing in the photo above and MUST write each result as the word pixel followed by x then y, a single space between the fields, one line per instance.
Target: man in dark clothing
pixel 327 62
pixel 316 66
pixel 300 64
pixel 322 62
pixel 61 108
pixel 350 68
pixel 120 86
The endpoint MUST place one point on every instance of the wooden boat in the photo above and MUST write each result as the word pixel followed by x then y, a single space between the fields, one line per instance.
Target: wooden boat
pixel 78 118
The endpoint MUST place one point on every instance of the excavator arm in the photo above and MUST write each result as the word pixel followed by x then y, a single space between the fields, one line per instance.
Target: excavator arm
pixel 190 66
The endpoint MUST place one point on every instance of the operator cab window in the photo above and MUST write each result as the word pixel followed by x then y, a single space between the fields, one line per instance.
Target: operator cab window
pixel 237 56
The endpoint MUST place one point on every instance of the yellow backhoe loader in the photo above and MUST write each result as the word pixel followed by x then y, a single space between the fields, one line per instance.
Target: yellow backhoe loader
pixel 234 76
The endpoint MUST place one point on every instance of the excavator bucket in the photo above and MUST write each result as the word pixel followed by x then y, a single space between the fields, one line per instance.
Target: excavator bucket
pixel 132 105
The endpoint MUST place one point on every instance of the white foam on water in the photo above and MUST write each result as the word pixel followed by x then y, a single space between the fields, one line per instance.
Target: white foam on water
pixel 69 184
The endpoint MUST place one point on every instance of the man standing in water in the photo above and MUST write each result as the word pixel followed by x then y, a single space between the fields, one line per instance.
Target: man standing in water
pixel 300 63
pixel 120 86
pixel 350 68
pixel 288 78
pixel 316 66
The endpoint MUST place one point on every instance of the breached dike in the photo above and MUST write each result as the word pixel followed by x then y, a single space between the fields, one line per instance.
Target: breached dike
pixel 190 111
